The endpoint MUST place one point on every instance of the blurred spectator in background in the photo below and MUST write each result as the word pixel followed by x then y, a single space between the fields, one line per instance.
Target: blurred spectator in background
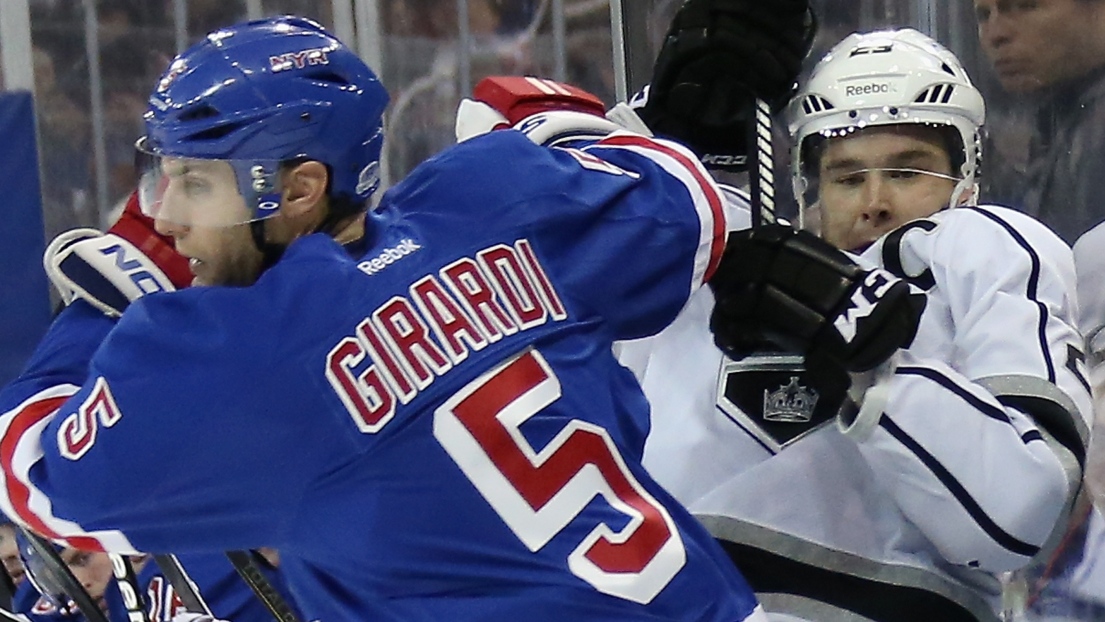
pixel 1050 56
pixel 1053 51
pixel 64 146
pixel 128 68
pixel 422 63
pixel 205 16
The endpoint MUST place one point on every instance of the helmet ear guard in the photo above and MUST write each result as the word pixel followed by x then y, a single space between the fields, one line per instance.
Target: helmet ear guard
pixel 891 77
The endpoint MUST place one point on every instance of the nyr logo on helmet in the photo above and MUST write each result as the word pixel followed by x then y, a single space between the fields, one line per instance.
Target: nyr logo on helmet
pixel 299 60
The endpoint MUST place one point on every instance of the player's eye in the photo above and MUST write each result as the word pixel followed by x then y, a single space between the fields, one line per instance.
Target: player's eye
pixel 851 180
pixel 902 173
pixel 1026 5
pixel 194 186
pixel 79 560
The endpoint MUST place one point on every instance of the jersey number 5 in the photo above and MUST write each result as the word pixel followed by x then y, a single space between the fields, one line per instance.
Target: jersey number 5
pixel 539 492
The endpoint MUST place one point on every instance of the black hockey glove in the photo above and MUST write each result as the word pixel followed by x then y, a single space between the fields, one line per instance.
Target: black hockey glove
pixel 717 57
pixel 793 289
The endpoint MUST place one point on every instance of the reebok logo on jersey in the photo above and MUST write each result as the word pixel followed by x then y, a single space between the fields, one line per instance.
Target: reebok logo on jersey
pixel 389 256
pixel 863 303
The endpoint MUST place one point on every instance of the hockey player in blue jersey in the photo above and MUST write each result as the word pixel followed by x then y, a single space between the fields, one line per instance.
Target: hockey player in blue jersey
pixel 431 428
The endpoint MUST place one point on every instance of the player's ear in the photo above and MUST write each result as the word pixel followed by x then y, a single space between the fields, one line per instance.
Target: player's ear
pixel 304 188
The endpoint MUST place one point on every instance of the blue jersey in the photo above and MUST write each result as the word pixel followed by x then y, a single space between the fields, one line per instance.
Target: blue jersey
pixel 31 605
pixel 436 429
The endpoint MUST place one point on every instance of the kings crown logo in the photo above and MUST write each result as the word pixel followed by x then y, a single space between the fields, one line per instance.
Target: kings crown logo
pixel 790 403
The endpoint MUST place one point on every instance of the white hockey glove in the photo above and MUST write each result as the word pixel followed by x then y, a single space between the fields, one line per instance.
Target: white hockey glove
pixel 545 111
pixel 103 269
pixel 109 270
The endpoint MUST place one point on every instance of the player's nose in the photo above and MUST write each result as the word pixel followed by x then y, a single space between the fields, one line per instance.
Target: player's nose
pixel 170 228
pixel 877 206
pixel 993 29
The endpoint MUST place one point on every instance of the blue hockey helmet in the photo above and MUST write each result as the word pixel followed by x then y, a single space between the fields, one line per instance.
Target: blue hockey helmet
pixel 259 94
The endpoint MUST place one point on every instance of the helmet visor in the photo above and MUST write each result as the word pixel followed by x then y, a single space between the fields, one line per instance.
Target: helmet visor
pixel 198 192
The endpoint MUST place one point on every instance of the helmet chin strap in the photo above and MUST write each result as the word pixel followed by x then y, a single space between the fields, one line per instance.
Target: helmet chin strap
pixel 330 224
pixel 270 253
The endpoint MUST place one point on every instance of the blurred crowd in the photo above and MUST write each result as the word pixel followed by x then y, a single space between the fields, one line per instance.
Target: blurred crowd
pixel 423 66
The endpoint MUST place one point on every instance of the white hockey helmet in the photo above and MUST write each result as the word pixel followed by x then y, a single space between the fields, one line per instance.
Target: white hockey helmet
pixel 886 77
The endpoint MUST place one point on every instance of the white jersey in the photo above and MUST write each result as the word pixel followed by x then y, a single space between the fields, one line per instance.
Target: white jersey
pixel 913 511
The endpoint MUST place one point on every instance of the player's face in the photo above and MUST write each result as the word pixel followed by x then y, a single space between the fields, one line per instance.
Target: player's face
pixel 201 208
pixel 9 554
pixel 877 179
pixel 1036 43
pixel 217 255
pixel 93 570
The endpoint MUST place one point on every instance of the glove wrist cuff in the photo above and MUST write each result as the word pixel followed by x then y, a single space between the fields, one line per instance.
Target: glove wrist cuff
pixel 551 128
pixel 867 399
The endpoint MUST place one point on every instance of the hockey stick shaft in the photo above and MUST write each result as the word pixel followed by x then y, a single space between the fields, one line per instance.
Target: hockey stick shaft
pixel 761 170
pixel 246 564
pixel 133 598
pixel 182 584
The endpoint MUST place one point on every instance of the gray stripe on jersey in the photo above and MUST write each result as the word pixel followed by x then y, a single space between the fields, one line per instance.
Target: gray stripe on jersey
pixel 806 608
pixel 807 552
pixel 1027 393
pixel 1037 388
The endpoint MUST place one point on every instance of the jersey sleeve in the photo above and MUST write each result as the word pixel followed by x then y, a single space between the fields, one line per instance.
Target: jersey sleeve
pixel 140 455
pixel 54 373
pixel 626 226
pixel 637 354
pixel 980 436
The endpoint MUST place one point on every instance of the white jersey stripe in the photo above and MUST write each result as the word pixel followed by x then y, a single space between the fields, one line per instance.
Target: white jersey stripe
pixel 540 85
pixel 21 432
pixel 707 197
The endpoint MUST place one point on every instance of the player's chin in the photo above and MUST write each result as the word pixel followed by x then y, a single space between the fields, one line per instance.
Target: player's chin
pixel 201 272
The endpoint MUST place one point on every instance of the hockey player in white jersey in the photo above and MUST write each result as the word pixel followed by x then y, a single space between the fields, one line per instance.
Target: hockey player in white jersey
pixel 952 463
